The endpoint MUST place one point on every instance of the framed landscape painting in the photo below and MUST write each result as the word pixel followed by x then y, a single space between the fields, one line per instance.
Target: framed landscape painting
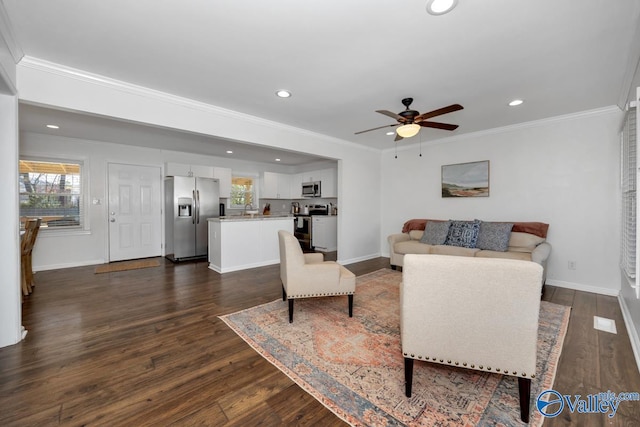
pixel 466 179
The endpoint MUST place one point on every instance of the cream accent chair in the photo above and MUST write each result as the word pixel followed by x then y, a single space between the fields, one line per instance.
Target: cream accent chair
pixel 474 313
pixel 308 275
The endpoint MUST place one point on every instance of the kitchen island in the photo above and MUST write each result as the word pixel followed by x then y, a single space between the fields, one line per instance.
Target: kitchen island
pixel 241 242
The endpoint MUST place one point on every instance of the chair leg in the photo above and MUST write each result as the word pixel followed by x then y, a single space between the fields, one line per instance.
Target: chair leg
pixel 524 386
pixel 284 294
pixel 291 311
pixel 408 375
pixel 23 279
pixel 351 305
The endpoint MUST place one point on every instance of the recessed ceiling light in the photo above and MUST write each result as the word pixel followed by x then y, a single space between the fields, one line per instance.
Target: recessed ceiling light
pixel 53 126
pixel 277 160
pixel 440 7
pixel 391 133
pixel 516 102
pixel 229 152
pixel 283 93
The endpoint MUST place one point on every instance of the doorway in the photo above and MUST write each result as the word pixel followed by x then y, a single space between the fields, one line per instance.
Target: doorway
pixel 134 211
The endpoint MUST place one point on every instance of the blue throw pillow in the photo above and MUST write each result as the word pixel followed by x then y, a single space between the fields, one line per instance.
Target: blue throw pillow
pixel 463 233
pixel 494 236
pixel 436 232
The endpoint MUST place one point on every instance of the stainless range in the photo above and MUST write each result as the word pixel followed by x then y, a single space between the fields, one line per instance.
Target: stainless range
pixel 302 225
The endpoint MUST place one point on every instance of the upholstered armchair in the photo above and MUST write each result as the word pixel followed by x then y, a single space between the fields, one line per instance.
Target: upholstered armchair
pixel 308 275
pixel 473 313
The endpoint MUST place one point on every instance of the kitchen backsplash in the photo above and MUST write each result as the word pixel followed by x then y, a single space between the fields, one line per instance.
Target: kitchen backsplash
pixel 282 206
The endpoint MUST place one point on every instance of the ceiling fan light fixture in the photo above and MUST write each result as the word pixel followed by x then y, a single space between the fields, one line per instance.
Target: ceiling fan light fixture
pixel 440 7
pixel 408 130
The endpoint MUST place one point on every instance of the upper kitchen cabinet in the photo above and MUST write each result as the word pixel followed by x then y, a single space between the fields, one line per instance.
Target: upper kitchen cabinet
pixel 181 169
pixel 224 176
pixel 276 185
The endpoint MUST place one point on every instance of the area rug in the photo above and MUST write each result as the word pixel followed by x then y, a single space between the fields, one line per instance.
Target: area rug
pixel 354 366
pixel 127 265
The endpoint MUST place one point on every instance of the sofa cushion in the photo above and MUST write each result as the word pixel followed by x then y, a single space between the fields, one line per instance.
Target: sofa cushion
pixel 435 233
pixel 416 234
pixel 524 256
pixel 523 242
pixel 411 247
pixel 463 233
pixel 494 236
pixel 453 250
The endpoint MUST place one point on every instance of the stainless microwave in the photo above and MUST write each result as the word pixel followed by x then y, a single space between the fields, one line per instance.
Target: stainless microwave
pixel 311 189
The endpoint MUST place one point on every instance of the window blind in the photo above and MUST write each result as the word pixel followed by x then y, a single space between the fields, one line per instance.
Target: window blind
pixel 629 178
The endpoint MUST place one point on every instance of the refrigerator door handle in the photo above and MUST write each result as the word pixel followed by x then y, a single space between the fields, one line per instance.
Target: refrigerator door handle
pixel 197 206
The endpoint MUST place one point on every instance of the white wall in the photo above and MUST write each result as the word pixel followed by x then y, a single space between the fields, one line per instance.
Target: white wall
pixel 564 172
pixel 358 167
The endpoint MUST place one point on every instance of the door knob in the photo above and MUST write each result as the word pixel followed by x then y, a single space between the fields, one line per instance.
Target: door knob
pixel 113 220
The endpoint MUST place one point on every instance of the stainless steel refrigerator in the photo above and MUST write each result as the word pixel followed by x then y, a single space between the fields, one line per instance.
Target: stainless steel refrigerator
pixel 189 201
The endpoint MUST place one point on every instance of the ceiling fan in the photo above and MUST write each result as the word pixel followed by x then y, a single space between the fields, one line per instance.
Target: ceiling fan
pixel 410 121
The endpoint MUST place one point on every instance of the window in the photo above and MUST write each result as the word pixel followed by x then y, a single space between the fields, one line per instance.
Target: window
pixel 242 191
pixel 629 157
pixel 52 190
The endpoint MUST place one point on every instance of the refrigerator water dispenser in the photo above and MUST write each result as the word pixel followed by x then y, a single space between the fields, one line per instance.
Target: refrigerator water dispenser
pixel 184 207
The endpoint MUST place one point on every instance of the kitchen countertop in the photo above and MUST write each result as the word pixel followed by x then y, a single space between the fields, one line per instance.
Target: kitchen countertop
pixel 233 218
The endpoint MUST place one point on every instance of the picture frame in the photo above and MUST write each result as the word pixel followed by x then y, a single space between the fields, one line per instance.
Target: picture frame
pixel 466 179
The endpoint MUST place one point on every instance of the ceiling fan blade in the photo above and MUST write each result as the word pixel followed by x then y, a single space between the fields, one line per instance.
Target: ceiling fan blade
pixel 438 112
pixel 379 127
pixel 390 114
pixel 437 125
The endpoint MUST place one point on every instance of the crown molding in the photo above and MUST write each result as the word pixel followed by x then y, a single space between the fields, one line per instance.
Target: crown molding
pixel 7 33
pixel 156 95
pixel 511 128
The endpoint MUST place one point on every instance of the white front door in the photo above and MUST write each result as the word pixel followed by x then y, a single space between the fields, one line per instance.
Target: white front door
pixel 135 203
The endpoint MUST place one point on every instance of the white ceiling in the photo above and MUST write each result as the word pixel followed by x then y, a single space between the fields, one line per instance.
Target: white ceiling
pixel 342 60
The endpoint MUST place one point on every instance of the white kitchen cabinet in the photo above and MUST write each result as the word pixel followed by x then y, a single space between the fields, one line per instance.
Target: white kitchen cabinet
pixel 276 185
pixel 238 244
pixel 223 175
pixel 324 233
pixel 329 183
pixel 182 169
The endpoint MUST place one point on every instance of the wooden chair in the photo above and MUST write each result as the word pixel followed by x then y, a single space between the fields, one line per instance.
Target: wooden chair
pixel 27 241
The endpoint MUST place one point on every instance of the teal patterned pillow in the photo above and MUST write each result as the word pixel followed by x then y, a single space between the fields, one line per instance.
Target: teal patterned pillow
pixel 436 232
pixel 463 233
pixel 494 236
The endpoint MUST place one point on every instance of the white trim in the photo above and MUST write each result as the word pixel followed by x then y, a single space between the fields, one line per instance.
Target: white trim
pixel 358 259
pixel 584 288
pixel 631 330
pixel 69 265
pixel 7 32
pixel 242 267
pixel 84 76
pixel 509 128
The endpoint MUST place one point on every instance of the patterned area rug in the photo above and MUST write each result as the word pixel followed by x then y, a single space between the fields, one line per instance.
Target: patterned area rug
pixel 354 366
pixel 127 265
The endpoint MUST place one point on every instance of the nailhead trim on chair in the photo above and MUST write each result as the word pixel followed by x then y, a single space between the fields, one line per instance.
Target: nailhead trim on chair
pixel 456 363
pixel 326 294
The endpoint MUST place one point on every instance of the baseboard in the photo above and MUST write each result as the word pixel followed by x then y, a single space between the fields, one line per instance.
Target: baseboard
pixel 362 258
pixel 631 330
pixel 67 265
pixel 584 288
pixel 243 266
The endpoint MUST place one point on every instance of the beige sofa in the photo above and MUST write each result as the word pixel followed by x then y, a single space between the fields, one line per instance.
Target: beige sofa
pixel 527 242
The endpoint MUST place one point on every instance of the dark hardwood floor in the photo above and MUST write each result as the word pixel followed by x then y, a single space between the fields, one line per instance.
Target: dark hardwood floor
pixel 145 347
